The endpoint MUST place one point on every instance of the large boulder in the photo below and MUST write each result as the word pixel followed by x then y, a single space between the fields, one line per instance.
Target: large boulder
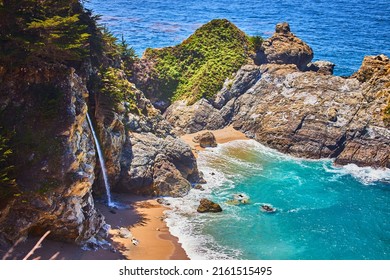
pixel 285 48
pixel 321 66
pixel 167 180
pixel 208 206
pixel 156 166
pixel 205 139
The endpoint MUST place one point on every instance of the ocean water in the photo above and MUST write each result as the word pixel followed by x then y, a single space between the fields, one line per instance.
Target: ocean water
pixel 322 211
pixel 342 31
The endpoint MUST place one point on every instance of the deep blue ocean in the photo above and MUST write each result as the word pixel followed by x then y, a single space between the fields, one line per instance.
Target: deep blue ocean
pixel 322 211
pixel 342 31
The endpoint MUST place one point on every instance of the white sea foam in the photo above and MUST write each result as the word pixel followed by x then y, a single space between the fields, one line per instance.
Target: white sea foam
pixel 187 224
pixel 367 175
pixel 220 168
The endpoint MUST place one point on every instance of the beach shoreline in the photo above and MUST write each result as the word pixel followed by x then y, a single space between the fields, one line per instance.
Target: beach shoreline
pixel 142 216
pixel 222 136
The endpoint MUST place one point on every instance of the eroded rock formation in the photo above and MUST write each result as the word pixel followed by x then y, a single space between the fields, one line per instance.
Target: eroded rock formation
pixel 55 156
pixel 304 113
pixel 285 48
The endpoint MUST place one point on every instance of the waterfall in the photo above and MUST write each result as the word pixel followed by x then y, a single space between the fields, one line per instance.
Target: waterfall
pixel 102 163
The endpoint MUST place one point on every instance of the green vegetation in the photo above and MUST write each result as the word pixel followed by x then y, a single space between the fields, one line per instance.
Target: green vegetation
pixel 61 38
pixel 119 89
pixel 42 30
pixel 256 42
pixel 7 182
pixel 198 67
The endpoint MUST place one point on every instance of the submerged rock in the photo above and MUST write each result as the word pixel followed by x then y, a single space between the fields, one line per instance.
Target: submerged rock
pixel 208 206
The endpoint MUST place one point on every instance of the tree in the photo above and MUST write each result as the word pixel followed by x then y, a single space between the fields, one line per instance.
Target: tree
pixel 5 167
pixel 59 38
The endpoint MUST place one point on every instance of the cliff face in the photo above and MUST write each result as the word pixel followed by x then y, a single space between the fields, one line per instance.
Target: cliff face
pixel 140 147
pixel 303 113
pixel 47 86
pixel 54 155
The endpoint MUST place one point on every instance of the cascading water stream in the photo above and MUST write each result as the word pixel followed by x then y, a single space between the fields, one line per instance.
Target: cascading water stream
pixel 102 163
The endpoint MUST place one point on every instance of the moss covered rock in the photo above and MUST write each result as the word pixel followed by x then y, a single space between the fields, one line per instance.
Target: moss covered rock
pixel 198 67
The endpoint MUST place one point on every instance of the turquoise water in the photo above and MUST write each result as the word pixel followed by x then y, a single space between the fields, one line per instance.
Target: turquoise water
pixel 323 211
pixel 342 31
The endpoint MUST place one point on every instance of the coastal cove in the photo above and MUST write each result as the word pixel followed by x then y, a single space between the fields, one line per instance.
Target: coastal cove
pixel 323 211
pixel 194 131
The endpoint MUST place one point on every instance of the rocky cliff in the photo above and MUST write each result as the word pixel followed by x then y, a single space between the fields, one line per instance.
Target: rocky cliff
pixel 219 76
pixel 139 145
pixel 286 105
pixel 54 155
pixel 49 173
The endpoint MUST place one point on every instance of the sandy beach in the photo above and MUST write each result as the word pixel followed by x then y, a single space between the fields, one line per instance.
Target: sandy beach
pixel 150 230
pixel 143 217
pixel 224 135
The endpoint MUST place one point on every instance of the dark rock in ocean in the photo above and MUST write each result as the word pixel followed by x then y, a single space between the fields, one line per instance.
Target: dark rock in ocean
pixel 198 187
pixel 208 206
pixel 205 139
pixel 285 48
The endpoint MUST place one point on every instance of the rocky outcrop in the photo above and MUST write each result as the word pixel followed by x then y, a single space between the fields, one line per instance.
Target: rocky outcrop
pixel 142 153
pixel 371 65
pixel 371 145
pixel 285 48
pixel 205 139
pixel 323 67
pixel 55 162
pixel 208 206
pixel 158 166
pixel 306 114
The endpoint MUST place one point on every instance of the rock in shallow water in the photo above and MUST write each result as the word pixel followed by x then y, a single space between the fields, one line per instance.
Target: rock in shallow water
pixel 208 206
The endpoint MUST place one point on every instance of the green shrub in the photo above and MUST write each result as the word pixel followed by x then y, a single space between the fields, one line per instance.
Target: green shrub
pixel 118 89
pixel 8 186
pixel 198 66
pixel 256 42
